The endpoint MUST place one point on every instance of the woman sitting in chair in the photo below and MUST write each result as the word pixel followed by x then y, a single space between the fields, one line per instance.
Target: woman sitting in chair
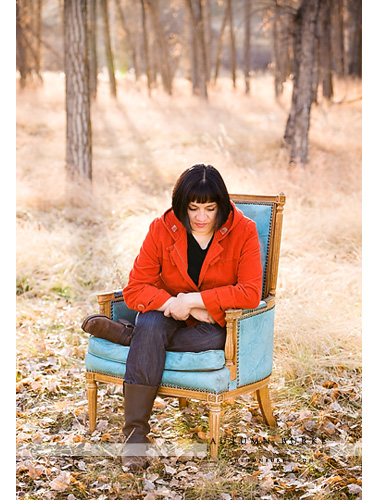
pixel 201 257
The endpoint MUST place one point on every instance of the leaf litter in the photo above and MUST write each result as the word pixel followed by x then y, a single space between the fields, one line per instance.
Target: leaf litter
pixel 313 452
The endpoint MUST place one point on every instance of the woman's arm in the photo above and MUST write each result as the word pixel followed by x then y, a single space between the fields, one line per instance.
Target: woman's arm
pixel 202 315
pixel 186 304
pixel 142 293
pixel 165 306
pixel 180 308
pixel 245 293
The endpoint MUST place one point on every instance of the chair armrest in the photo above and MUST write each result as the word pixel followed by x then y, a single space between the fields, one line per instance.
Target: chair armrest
pixel 104 300
pixel 255 336
pixel 233 317
pixel 112 305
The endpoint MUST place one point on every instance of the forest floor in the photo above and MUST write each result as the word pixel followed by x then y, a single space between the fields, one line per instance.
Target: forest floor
pixel 67 254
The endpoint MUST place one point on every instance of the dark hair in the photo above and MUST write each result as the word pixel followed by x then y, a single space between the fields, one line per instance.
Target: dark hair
pixel 201 184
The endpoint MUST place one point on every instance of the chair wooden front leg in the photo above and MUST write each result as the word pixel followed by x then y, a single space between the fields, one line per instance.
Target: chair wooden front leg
pixel 214 423
pixel 183 402
pixel 265 406
pixel 92 404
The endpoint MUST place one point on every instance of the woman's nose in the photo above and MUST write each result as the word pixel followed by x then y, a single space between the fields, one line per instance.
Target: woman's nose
pixel 201 215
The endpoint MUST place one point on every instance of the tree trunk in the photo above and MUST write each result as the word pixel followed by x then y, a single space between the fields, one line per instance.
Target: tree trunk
pixel 198 47
pixel 281 42
pixel 202 50
pixel 290 124
pixel 219 48
pixel 129 40
pixel 305 31
pixel 355 65
pixel 28 40
pixel 316 72
pixel 278 83
pixel 247 44
pixel 232 43
pixel 78 121
pixel 193 48
pixel 207 36
pixel 92 46
pixel 325 59
pixel 337 29
pixel 146 48
pixel 165 67
pixel 38 29
pixel 21 47
pixel 108 48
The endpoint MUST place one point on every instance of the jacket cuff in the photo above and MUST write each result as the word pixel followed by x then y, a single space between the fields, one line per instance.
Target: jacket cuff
pixel 153 303
pixel 158 300
pixel 213 303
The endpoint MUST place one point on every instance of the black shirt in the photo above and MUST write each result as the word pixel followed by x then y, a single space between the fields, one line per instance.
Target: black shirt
pixel 196 256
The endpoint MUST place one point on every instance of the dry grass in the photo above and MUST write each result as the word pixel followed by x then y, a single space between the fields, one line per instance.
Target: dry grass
pixel 140 146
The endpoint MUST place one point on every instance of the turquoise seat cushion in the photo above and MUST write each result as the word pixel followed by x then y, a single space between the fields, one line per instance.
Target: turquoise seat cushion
pixel 215 381
pixel 178 361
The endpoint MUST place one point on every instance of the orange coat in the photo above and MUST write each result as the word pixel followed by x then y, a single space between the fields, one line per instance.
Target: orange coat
pixel 231 275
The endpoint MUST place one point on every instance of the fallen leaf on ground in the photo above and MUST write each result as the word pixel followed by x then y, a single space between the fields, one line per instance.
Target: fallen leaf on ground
pixel 61 482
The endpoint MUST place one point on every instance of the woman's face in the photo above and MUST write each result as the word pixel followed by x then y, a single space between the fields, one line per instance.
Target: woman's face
pixel 202 217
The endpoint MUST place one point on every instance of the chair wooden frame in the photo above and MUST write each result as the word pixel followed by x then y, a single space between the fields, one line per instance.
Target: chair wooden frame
pixel 231 348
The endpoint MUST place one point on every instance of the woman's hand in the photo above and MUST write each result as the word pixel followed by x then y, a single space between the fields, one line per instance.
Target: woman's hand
pixel 186 304
pixel 202 315
pixel 178 307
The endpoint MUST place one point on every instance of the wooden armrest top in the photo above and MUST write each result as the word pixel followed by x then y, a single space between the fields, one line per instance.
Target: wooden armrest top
pixel 232 314
pixel 109 295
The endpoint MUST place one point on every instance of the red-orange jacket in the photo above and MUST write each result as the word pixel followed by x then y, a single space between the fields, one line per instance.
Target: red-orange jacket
pixel 231 274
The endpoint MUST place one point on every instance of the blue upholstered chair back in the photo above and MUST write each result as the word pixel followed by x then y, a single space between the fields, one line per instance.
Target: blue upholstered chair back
pixel 261 213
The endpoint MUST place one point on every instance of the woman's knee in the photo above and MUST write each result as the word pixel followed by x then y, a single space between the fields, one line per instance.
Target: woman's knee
pixel 153 323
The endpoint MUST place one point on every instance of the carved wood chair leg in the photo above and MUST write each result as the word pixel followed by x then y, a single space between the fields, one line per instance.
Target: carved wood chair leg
pixel 183 402
pixel 214 423
pixel 92 404
pixel 265 405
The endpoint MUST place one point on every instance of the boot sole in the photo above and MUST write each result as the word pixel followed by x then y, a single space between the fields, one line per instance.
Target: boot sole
pixel 135 464
pixel 86 321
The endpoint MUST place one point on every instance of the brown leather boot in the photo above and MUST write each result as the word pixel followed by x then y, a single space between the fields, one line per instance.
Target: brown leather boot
pixel 99 325
pixel 138 403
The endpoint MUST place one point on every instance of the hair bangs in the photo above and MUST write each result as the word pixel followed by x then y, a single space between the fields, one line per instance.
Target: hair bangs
pixel 203 192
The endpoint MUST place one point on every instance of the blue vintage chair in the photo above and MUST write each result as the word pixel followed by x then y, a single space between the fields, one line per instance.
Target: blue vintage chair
pixel 215 376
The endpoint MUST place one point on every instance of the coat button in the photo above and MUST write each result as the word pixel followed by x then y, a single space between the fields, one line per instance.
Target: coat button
pixel 141 307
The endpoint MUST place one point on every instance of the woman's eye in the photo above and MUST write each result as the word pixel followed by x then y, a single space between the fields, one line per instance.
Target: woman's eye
pixel 193 209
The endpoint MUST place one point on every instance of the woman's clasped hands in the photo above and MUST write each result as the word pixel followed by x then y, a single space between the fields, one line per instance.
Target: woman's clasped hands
pixel 185 305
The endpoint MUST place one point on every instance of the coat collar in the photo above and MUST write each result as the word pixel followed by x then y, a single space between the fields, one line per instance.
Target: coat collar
pixel 178 249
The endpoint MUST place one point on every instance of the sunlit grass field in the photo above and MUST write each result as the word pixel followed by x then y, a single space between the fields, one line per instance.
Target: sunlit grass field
pixel 140 146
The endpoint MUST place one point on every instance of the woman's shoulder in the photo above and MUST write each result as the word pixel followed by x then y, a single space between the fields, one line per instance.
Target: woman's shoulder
pixel 167 223
pixel 247 229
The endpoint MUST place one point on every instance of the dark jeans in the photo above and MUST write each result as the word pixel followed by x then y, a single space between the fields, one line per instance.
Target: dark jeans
pixel 154 334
